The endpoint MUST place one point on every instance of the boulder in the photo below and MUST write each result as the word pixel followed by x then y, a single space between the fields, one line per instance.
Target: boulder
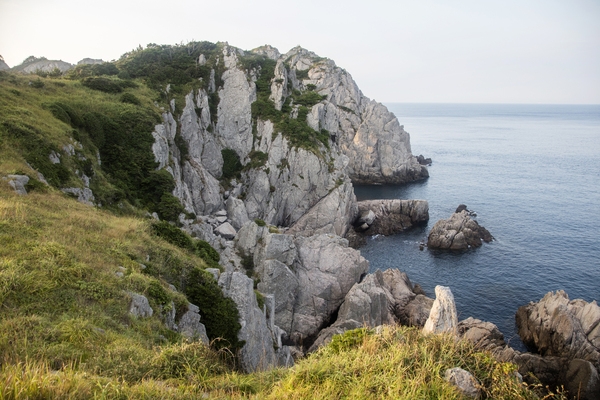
pixel 423 161
pixel 226 231
pixel 18 183
pixel 386 217
pixel 464 381
pixel 139 307
pixel 236 211
pixel 190 326
pixel 582 380
pixel 459 232
pixel 443 317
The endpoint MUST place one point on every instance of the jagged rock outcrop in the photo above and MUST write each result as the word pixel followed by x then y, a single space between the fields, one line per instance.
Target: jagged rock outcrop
pixel 18 183
pixel 258 352
pixel 3 65
pixel 32 65
pixel 386 217
pixel 556 326
pixel 443 317
pixel 459 232
pixel 189 325
pixel 367 144
pixel 309 277
pixel 139 307
pixel 579 377
pixel 90 61
pixel 382 298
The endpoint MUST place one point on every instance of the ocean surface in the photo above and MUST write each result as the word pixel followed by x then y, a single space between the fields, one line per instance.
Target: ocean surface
pixel 532 175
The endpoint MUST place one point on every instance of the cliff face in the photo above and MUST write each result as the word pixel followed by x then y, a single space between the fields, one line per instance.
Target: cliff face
pixel 364 142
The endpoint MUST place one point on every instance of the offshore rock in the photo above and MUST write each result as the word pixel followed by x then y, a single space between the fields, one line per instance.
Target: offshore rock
pixel 386 217
pixel 443 317
pixel 555 326
pixel 578 376
pixel 459 232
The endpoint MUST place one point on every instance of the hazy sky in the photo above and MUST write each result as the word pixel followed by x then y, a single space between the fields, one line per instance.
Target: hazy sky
pixel 508 51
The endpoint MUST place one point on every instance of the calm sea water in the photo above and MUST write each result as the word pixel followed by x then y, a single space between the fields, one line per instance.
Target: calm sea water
pixel 532 174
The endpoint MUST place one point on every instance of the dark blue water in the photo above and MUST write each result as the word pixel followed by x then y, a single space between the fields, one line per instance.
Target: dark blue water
pixel 532 174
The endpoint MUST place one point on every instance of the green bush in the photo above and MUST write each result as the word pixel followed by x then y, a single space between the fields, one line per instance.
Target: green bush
pixel 231 164
pixel 172 234
pixel 106 85
pixel 130 99
pixel 219 313
pixel 207 253
pixel 257 159
pixel 260 222
pixel 169 207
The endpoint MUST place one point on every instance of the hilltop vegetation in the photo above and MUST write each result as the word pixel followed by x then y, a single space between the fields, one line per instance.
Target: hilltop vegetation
pixel 68 270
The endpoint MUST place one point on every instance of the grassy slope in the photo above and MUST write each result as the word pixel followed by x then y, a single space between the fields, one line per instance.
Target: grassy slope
pixel 65 331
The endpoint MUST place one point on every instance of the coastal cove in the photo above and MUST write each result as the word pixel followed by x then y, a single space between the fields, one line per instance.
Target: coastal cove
pixel 532 174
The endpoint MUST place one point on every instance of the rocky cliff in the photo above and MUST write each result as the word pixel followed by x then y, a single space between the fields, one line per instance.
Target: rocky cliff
pixel 285 174
pixel 279 139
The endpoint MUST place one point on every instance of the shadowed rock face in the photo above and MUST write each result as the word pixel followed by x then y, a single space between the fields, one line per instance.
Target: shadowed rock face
pixel 386 217
pixel 459 232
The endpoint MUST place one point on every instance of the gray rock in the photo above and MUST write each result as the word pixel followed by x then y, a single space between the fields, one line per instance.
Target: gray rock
pixel 85 195
pixel 139 307
pixel 90 61
pixel 190 326
pixel 556 326
pixel 333 214
pixel 54 157
pixel 386 217
pixel 236 212
pixel 3 65
pixel 459 232
pixel 226 231
pixel 464 381
pixel 32 65
pixel 582 380
pixel 215 272
pixel 18 183
pixel 416 311
pixel 443 317
pixel 257 353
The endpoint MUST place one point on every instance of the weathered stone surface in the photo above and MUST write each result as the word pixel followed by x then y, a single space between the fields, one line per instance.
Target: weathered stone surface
pixel 3 65
pixel 32 65
pixel 391 216
pixel 555 326
pixel 443 317
pixel 18 182
pixel 236 211
pixel 139 307
pixel 226 231
pixel 326 270
pixel 85 195
pixel 381 298
pixel 464 381
pixel 333 214
pixel 190 326
pixel 257 353
pixel 459 232
pixel 582 380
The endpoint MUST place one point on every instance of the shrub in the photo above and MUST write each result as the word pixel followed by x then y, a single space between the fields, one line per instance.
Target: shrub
pixel 172 234
pixel 219 313
pixel 169 207
pixel 257 159
pixel 207 253
pixel 130 99
pixel 103 84
pixel 260 222
pixel 231 164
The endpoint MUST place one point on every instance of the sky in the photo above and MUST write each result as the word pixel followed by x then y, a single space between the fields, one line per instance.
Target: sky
pixel 431 51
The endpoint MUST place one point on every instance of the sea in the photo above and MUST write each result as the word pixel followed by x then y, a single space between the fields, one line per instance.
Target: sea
pixel 532 175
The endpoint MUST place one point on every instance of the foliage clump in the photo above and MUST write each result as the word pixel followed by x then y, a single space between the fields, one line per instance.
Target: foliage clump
pixel 231 164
